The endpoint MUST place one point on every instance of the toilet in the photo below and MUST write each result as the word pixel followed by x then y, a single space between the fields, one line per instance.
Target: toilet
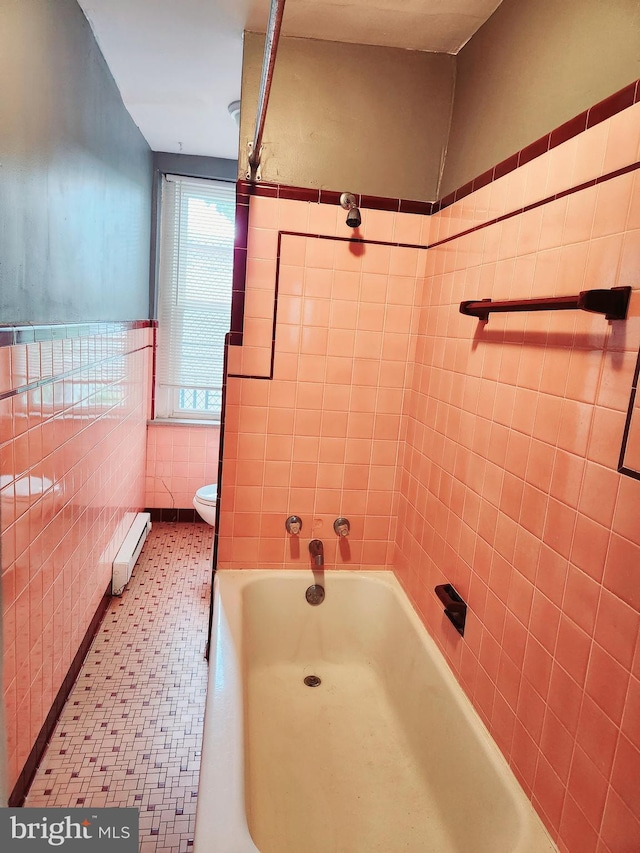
pixel 205 503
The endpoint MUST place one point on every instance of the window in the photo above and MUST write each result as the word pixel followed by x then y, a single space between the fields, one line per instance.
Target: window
pixel 194 296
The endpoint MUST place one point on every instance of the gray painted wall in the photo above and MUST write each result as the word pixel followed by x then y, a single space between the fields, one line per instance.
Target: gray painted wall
pixel 75 175
pixel 194 166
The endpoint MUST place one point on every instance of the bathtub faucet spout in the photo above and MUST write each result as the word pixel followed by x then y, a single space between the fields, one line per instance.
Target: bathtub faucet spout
pixel 317 552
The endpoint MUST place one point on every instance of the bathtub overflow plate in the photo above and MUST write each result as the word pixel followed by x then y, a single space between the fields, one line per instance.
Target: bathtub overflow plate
pixel 315 594
pixel 312 681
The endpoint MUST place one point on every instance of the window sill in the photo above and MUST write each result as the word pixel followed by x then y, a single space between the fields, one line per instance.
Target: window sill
pixel 182 422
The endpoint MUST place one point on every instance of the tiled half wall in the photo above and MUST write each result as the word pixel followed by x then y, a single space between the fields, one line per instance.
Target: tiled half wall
pixel 483 455
pixel 73 412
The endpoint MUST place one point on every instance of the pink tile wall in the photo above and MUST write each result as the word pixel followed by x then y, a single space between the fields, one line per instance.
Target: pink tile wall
pixel 497 469
pixel 72 451
pixel 509 486
pixel 180 459
pixel 321 439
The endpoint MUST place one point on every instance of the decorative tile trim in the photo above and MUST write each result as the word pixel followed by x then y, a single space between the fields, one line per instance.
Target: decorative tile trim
pixel 21 787
pixel 244 191
pixel 228 341
pixel 485 224
pixel 318 196
pixel 174 515
pixel 615 103
pixel 30 333
pixel 622 468
pixel 599 112
pixel 332 237
pixel 632 167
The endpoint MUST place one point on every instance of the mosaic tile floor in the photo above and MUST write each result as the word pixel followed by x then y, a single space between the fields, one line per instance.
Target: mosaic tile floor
pixel 130 733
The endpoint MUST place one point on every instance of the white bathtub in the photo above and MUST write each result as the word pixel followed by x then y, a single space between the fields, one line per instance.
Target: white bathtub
pixel 386 755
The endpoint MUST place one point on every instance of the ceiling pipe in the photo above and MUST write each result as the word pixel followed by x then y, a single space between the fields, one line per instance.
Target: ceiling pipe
pixel 270 49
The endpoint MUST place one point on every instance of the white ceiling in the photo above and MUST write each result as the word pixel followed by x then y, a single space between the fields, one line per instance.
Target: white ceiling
pixel 178 63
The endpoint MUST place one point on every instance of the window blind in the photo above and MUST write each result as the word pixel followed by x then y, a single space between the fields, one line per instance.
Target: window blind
pixel 194 295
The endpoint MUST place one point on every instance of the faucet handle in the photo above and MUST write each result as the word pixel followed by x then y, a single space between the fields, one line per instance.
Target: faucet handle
pixel 293 525
pixel 342 526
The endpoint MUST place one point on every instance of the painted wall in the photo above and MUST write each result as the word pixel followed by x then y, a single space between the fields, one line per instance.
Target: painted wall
pixel 387 122
pixel 499 472
pixel 534 65
pixel 74 246
pixel 350 117
pixel 76 175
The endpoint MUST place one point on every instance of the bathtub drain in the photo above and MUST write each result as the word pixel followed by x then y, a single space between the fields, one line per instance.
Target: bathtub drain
pixel 315 594
pixel 312 681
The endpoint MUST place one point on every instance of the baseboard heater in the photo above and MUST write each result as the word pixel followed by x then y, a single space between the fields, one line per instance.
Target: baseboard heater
pixel 129 552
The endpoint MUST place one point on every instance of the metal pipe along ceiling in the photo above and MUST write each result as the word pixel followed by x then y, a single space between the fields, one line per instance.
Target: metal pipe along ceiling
pixel 270 49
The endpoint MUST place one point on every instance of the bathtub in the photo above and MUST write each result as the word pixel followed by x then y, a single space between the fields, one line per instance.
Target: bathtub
pixel 385 755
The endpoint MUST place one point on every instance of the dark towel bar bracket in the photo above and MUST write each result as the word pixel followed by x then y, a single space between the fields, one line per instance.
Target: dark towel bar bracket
pixel 455 609
pixel 612 303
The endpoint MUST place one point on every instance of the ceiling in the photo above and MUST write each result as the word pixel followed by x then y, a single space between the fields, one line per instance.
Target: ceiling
pixel 178 63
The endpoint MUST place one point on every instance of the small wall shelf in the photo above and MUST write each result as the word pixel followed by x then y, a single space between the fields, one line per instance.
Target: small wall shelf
pixel 612 303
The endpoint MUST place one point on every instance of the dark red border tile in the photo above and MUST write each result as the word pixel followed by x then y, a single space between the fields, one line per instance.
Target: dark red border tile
pixel 238 289
pixel 174 514
pixel 463 191
pixel 613 104
pixel 505 166
pixel 484 179
pixel 299 194
pixel 242 227
pixel 376 202
pixel 265 190
pixel 446 201
pixel 422 207
pixel 535 149
pixel 577 189
pixel 568 130
pixel 329 197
